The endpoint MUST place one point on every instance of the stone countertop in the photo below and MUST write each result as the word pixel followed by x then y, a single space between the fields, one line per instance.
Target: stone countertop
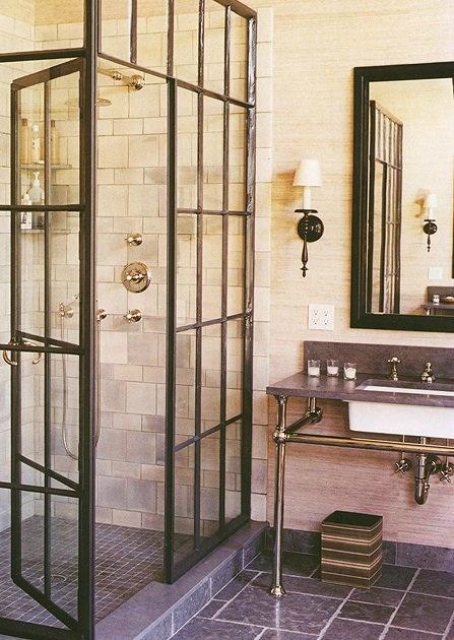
pixel 336 388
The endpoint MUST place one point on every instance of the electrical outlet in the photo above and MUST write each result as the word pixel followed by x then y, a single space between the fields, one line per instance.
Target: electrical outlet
pixel 435 273
pixel 321 317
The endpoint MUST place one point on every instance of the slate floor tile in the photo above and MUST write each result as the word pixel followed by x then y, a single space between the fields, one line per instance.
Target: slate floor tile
pixel 279 634
pixel 366 612
pixel 377 595
pixel 424 613
pixel 236 585
pixel 216 630
pixel 211 608
pixel 341 629
pixel 395 577
pixel 296 564
pixel 437 583
pixel 294 612
pixel 405 634
pixel 306 585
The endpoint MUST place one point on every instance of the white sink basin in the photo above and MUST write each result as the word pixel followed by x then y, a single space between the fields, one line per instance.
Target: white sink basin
pixel 402 419
pixel 426 392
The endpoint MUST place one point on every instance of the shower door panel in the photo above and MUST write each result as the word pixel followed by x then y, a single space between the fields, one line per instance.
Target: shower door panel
pixel 49 250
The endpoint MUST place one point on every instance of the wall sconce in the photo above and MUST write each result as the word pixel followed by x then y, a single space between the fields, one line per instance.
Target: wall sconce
pixel 430 227
pixel 310 227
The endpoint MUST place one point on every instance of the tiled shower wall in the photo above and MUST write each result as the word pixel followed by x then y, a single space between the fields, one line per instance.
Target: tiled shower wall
pixel 132 198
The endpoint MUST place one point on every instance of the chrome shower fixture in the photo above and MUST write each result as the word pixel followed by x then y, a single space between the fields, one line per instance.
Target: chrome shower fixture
pixel 65 310
pixel 136 277
pixel 133 315
pixel 134 239
pixel 136 81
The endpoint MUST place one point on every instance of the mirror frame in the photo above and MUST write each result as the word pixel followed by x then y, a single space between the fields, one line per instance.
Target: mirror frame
pixel 360 318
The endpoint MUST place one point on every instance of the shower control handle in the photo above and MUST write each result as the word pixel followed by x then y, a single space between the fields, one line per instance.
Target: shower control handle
pixel 134 315
pixel 136 277
pixel 134 239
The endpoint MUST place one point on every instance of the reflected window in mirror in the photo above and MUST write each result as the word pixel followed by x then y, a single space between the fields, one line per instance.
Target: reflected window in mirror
pixel 403 158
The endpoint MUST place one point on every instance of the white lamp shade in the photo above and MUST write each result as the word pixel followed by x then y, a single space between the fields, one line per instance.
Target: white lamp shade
pixel 308 174
pixel 431 201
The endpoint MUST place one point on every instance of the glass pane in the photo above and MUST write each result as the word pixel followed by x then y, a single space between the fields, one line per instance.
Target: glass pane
pixel 214 47
pixel 211 377
pixel 32 415
pixel 233 471
pixel 186 26
pixel 116 28
pixel 15 603
pixel 212 266
pixel 185 385
pixel 186 269
pixel 209 490
pixel 184 503
pixel 237 158
pixel 236 264
pixel 187 127
pixel 235 355
pixel 152 30
pixel 5 429
pixel 39 25
pixel 31 148
pixel 64 297
pixel 213 159
pixel 64 140
pixel 31 278
pixel 5 298
pixel 65 415
pixel 238 57
pixel 32 539
pixel 64 552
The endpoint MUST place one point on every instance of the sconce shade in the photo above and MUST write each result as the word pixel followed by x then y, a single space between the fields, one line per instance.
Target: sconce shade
pixel 430 201
pixel 308 174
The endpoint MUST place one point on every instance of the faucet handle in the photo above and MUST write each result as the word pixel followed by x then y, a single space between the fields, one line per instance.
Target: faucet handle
pixel 428 375
pixel 394 361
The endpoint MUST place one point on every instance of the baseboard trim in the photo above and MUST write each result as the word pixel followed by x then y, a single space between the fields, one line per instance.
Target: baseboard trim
pixel 404 554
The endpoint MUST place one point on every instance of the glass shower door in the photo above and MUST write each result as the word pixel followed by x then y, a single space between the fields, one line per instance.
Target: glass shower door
pixel 51 477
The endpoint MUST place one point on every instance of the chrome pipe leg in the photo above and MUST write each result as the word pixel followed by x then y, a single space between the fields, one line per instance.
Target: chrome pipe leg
pixel 277 588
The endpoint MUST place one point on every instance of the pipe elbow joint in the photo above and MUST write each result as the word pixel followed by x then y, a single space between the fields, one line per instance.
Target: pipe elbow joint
pixel 279 436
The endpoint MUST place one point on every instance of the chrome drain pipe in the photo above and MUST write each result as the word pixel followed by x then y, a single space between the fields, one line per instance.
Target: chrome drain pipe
pixel 426 465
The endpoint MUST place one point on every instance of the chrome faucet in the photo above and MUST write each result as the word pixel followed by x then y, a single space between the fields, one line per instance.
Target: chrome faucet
pixel 393 371
pixel 428 375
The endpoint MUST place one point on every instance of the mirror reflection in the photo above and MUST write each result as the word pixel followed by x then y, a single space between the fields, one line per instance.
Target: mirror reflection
pixel 403 234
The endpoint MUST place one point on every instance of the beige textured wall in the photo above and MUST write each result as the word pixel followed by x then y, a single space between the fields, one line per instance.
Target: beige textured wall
pixel 316 44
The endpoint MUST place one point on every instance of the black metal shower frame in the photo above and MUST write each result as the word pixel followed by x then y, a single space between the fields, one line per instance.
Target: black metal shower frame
pixel 174 569
pixel 84 490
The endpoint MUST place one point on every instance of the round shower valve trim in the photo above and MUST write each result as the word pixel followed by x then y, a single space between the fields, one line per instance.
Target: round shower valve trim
pixel 136 277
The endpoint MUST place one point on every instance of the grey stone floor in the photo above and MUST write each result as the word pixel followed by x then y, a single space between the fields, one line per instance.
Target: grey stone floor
pixel 405 604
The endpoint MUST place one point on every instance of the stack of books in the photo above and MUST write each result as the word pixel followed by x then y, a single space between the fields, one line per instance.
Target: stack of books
pixel 352 548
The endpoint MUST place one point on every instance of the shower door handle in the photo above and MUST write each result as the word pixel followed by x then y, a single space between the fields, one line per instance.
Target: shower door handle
pixel 39 354
pixel 7 359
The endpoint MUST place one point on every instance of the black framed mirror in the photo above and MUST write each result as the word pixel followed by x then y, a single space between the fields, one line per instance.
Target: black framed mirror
pixel 403 219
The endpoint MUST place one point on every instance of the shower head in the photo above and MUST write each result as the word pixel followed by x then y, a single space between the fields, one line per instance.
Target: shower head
pixel 74 103
pixel 103 102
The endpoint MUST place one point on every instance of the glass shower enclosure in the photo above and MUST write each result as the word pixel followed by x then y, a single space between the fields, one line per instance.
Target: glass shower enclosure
pixel 126 299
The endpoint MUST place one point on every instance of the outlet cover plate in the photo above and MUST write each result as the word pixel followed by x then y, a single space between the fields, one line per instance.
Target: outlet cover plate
pixel 321 317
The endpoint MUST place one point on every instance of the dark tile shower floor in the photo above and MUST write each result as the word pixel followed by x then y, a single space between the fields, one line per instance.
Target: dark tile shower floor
pixel 127 559
pixel 405 604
